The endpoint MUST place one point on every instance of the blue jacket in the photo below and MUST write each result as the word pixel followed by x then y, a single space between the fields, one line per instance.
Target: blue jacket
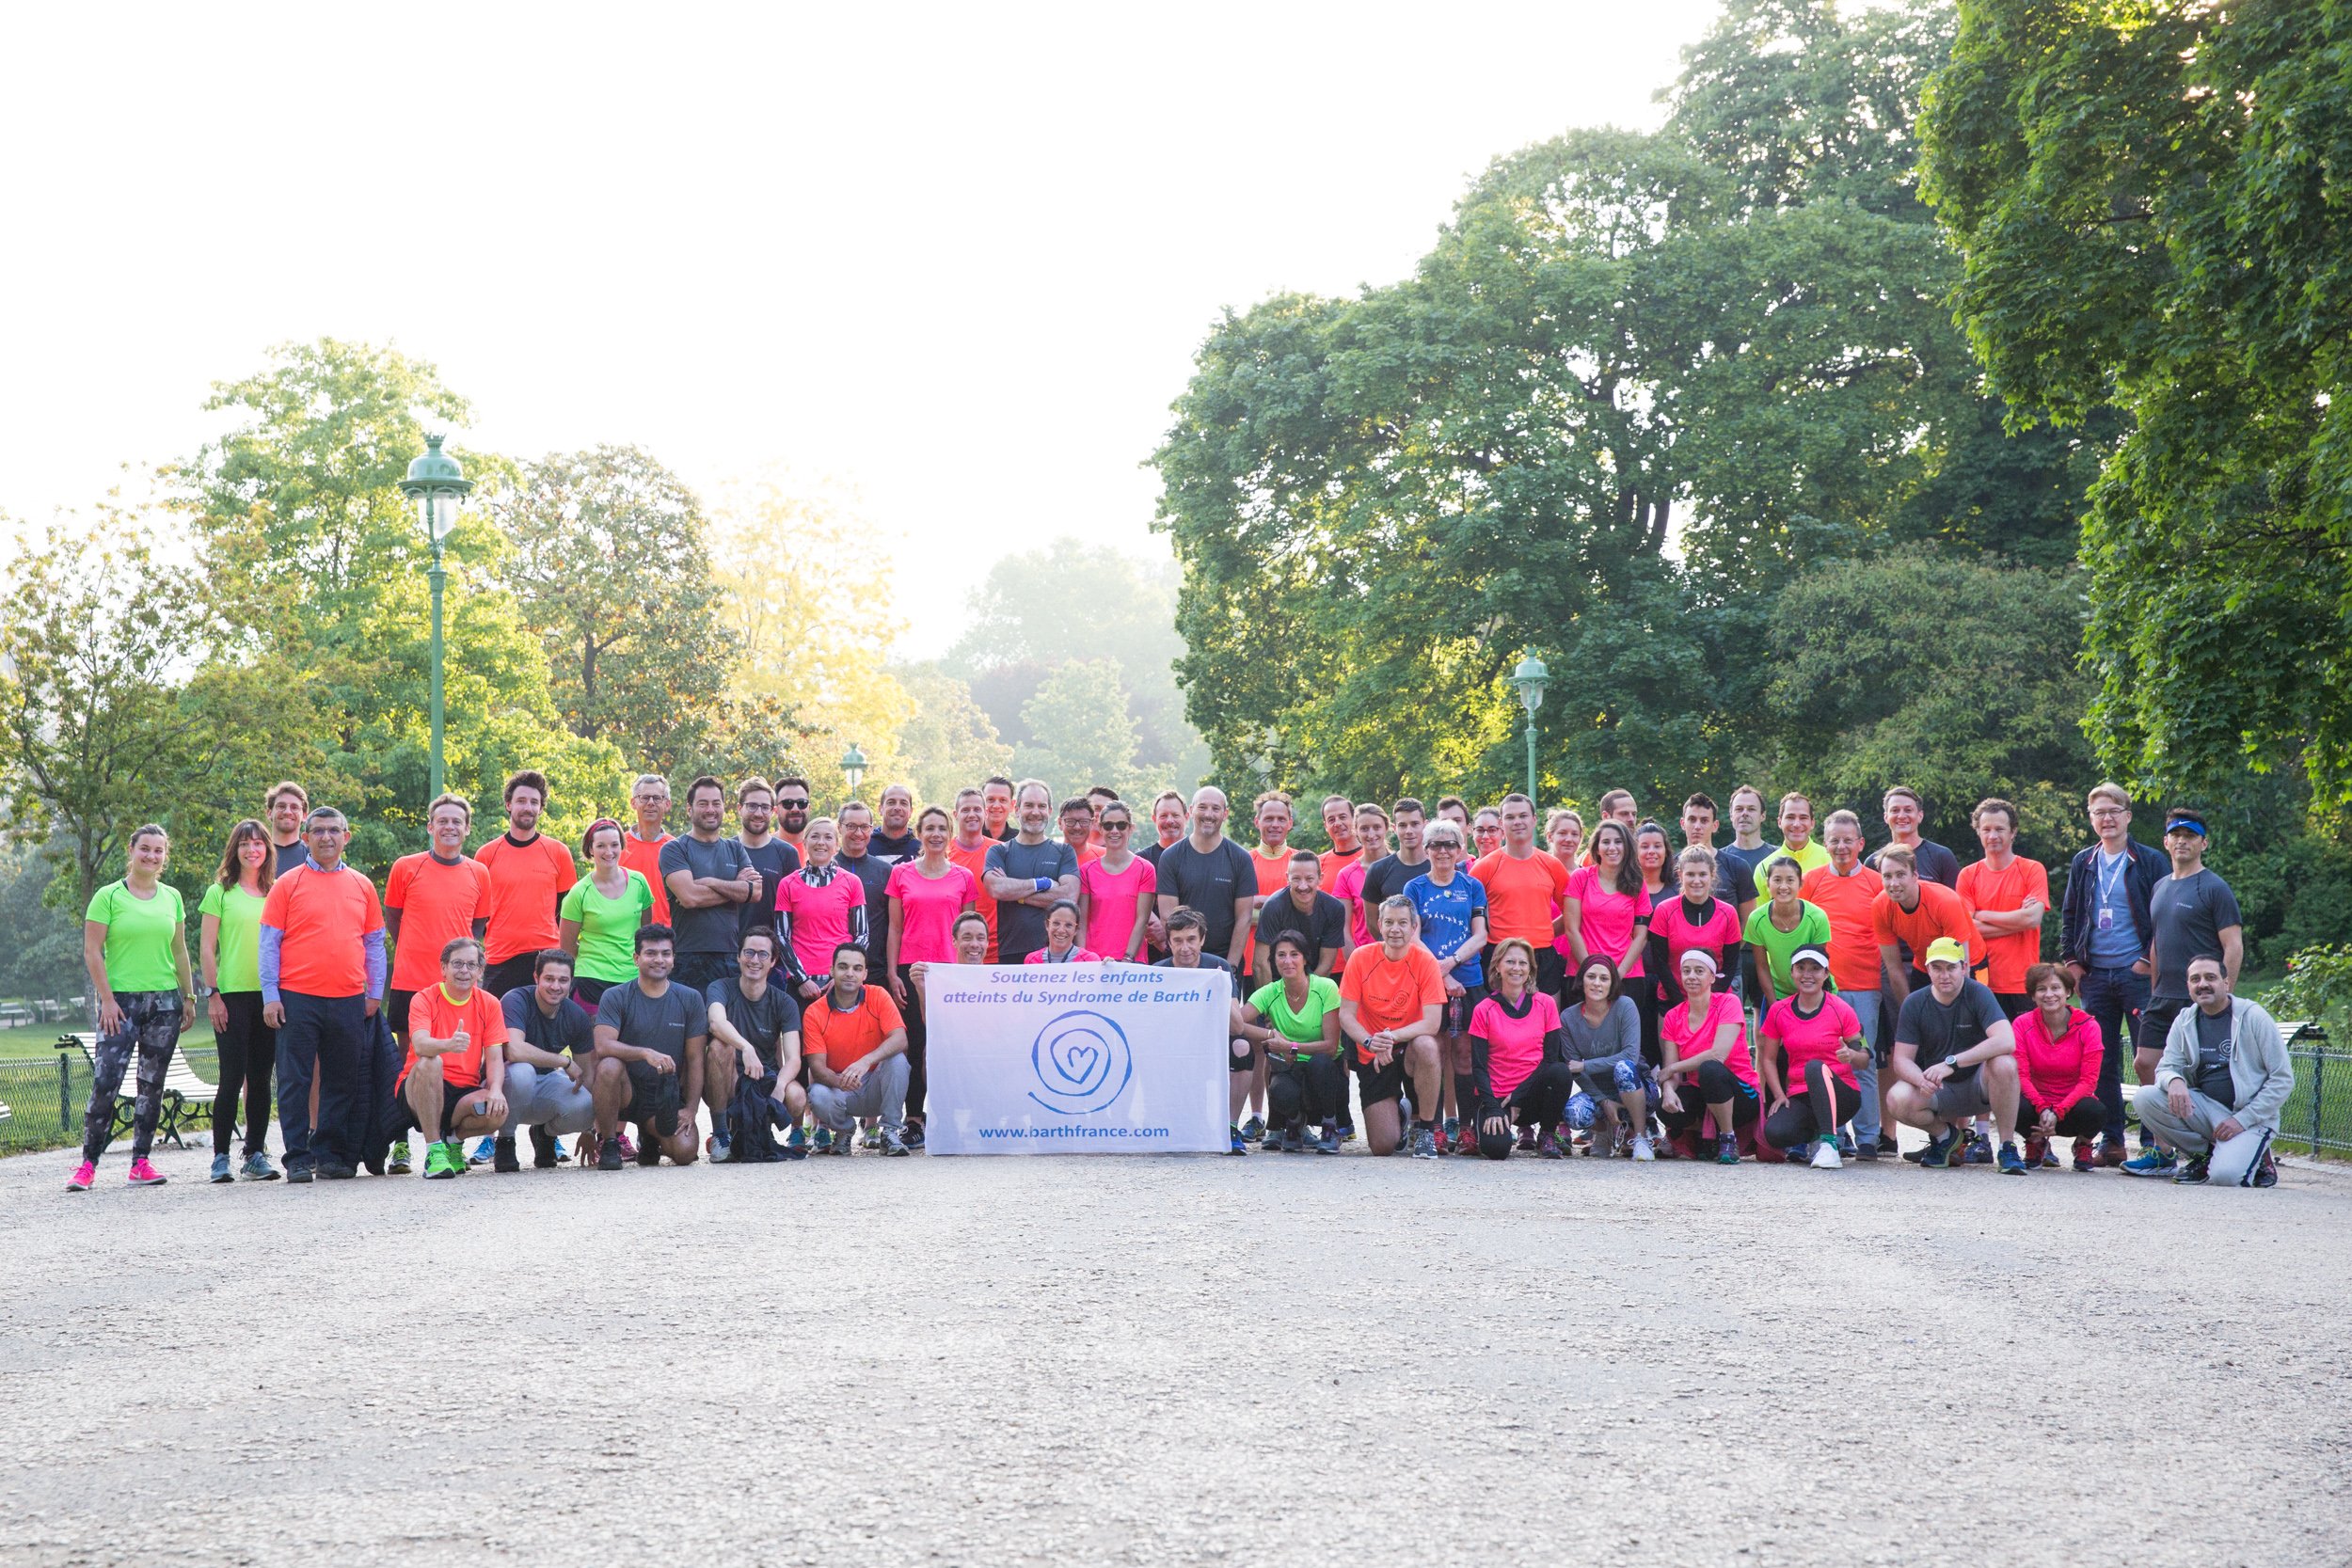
pixel 2148 865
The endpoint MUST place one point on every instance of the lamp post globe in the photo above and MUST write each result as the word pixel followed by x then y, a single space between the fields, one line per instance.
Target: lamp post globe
pixel 853 768
pixel 1529 680
pixel 435 486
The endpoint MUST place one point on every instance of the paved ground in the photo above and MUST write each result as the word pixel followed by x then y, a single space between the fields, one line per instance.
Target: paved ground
pixel 1104 1360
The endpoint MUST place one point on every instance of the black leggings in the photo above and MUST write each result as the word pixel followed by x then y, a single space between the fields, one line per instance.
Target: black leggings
pixel 2082 1119
pixel 249 1055
pixel 1297 1092
pixel 1712 1084
pixel 918 1045
pixel 1541 1100
pixel 1798 1122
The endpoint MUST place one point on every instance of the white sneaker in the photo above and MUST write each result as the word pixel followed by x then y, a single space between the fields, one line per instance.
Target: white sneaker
pixel 1825 1156
pixel 1642 1150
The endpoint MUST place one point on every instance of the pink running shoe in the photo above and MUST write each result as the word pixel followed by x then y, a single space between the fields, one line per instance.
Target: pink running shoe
pixel 628 1150
pixel 83 1176
pixel 145 1175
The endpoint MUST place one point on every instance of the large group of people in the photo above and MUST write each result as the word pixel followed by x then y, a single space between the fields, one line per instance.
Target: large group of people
pixel 1438 981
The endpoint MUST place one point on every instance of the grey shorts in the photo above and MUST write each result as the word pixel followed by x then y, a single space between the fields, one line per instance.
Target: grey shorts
pixel 1961 1098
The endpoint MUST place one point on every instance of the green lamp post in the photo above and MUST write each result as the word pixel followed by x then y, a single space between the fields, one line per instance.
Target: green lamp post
pixel 852 768
pixel 1529 678
pixel 435 484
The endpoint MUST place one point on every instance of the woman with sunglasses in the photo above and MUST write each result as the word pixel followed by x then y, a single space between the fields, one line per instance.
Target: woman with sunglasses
pixel 1117 890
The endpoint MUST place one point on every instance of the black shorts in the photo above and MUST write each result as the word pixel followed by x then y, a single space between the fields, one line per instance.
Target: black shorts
pixel 509 973
pixel 1377 1085
pixel 588 991
pixel 653 1098
pixel 696 970
pixel 2014 1004
pixel 453 1097
pixel 396 1012
pixel 2156 1022
pixel 1456 1017
pixel 1551 970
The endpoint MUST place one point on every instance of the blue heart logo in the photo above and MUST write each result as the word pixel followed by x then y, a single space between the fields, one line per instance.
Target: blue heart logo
pixel 1083 1063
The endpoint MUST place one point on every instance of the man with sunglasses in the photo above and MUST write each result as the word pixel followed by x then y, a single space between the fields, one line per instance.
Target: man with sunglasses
pixel 755 1033
pixel 792 801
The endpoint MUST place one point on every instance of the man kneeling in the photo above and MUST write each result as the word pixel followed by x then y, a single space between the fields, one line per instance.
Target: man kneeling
pixel 454 1081
pixel 649 1059
pixel 550 1050
pixel 854 1043
pixel 1390 998
pixel 1955 1059
pixel 754 1034
pixel 2224 1076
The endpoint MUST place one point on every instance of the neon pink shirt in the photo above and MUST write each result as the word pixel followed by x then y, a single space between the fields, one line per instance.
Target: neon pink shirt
pixel 1075 956
pixel 1515 1046
pixel 1348 888
pixel 1722 1009
pixel 1812 1040
pixel 1608 918
pixel 1719 931
pixel 927 907
pixel 819 915
pixel 2055 1074
pixel 1111 902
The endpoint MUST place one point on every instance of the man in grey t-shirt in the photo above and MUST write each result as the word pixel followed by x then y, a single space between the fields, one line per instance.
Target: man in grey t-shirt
pixel 710 878
pixel 654 1031
pixel 1028 874
pixel 2196 916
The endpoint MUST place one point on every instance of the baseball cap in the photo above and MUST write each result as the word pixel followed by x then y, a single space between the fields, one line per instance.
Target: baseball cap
pixel 1944 950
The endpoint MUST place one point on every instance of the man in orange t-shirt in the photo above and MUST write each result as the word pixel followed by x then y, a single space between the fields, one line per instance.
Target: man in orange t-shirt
pixel 969 850
pixel 1339 826
pixel 1911 912
pixel 1391 996
pixel 1524 886
pixel 323 973
pixel 431 900
pixel 529 873
pixel 854 1043
pixel 2009 895
pixel 455 1080
pixel 1848 892
pixel 640 846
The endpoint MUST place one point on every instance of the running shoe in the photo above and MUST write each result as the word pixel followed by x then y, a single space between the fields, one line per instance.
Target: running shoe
pixel 1979 1150
pixel 1548 1148
pixel 144 1175
pixel 1728 1149
pixel 1527 1138
pixel 1643 1153
pixel 545 1147
pixel 257 1168
pixel 484 1153
pixel 2150 1162
pixel 1888 1148
pixel 823 1143
pixel 2191 1172
pixel 2266 1174
pixel 893 1144
pixel 609 1157
pixel 222 1176
pixel 84 1174
pixel 2036 1150
pixel 1825 1155
pixel 1917 1155
pixel 1939 1153
pixel 1450 1134
pixel 338 1171
pixel 873 1137
pixel 1240 1140
pixel 1347 1130
pixel 913 1136
pixel 1845 1144
pixel 398 1166
pixel 1444 1139
pixel 796 1143
pixel 504 1159
pixel 1865 1149
pixel 2112 1152
pixel 722 1146
pixel 2008 1159
pixel 2086 1158
pixel 438 1166
pixel 1425 1142
pixel 628 1150
pixel 648 1156
pixel 298 1176
pixel 1253 1131
pixel 563 1155
pixel 1329 1142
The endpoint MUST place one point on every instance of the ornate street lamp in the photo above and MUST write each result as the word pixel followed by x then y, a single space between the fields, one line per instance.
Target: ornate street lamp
pixel 1529 678
pixel 852 768
pixel 435 484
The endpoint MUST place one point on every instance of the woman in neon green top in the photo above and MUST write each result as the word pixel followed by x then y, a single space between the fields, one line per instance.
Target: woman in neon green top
pixel 600 916
pixel 1296 1020
pixel 134 944
pixel 230 952
pixel 1780 925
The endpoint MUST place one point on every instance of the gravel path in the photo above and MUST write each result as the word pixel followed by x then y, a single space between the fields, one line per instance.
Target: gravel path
pixel 1073 1360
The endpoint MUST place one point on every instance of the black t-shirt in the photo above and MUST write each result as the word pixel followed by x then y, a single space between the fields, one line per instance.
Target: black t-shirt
pixel 1324 929
pixel 291 855
pixel 1939 1031
pixel 1933 863
pixel 1021 927
pixel 774 861
pixel 2216 1043
pixel 891 850
pixel 1208 883
pixel 2191 913
pixel 717 928
pixel 874 872
pixel 662 1024
pixel 570 1032
pixel 1210 960
pixel 1386 878
pixel 764 1023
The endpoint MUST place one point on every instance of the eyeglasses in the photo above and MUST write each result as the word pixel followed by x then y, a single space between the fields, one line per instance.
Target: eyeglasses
pixel 2108 811
pixel 755 956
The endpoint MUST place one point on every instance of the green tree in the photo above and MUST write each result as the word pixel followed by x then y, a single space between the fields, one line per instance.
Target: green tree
pixel 95 637
pixel 1083 733
pixel 40 944
pixel 947 741
pixel 611 567
pixel 2146 198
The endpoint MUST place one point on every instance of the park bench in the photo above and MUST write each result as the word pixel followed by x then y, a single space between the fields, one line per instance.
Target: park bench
pixel 14 1013
pixel 187 1099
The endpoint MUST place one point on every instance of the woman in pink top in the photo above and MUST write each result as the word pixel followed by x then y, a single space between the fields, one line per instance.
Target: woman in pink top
pixel 1116 890
pixel 1564 840
pixel 1705 1069
pixel 1518 1067
pixel 1372 834
pixel 1606 909
pixel 818 909
pixel 926 894
pixel 1823 1040
pixel 2058 1053
pixel 1061 938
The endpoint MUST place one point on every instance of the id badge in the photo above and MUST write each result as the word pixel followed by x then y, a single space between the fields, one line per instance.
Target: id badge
pixel 2106 918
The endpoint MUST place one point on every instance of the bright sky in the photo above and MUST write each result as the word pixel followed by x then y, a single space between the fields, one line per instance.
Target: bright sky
pixel 958 257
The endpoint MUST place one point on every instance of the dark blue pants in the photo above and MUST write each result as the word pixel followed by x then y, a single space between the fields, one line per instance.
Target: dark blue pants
pixel 325 1035
pixel 2114 998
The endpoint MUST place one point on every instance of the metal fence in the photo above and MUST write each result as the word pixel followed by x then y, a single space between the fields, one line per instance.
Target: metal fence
pixel 2318 1118
pixel 41 1102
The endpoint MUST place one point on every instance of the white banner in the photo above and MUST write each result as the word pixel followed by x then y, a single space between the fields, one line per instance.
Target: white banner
pixel 1076 1060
